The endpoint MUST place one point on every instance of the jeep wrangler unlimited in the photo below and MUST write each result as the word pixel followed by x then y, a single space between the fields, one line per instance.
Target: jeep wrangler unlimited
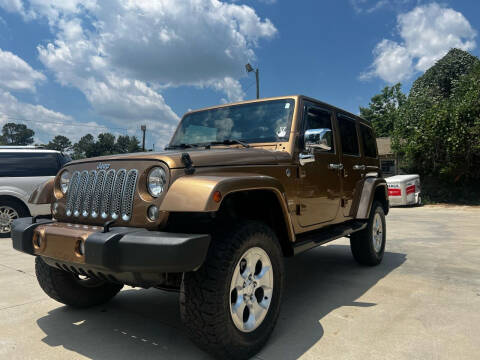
pixel 239 187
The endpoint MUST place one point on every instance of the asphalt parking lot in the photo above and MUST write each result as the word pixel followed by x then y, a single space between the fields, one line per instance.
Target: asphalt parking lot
pixel 422 302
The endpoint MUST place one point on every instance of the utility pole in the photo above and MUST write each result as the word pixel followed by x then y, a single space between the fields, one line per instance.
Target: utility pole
pixel 250 69
pixel 144 129
pixel 258 83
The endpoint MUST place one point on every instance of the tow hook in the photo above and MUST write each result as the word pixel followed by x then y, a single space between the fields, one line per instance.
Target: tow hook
pixel 106 226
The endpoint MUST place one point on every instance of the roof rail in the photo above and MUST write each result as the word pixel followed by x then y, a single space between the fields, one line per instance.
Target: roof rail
pixel 26 147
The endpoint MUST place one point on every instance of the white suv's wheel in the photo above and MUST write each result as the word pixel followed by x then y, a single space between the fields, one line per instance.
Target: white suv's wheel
pixel 9 211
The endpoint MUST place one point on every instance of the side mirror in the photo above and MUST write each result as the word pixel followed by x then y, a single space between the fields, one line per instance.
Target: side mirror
pixel 321 139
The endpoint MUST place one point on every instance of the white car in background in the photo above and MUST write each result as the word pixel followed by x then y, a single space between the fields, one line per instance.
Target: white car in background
pixel 22 170
pixel 404 190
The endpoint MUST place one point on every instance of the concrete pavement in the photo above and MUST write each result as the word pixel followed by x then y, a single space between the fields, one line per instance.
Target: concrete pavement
pixel 422 302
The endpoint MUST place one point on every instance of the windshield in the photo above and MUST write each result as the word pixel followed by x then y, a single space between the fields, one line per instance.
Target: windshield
pixel 266 121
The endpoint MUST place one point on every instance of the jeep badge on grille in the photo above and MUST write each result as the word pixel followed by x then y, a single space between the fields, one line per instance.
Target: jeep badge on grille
pixel 103 166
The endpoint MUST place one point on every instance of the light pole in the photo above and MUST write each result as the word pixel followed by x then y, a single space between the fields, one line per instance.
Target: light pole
pixel 144 129
pixel 250 69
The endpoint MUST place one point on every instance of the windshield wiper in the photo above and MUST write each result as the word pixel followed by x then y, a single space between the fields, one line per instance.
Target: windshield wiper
pixel 180 146
pixel 229 142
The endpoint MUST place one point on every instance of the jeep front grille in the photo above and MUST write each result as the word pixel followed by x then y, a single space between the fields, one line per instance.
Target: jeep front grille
pixel 99 193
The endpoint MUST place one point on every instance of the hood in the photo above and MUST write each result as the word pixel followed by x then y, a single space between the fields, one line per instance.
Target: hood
pixel 204 157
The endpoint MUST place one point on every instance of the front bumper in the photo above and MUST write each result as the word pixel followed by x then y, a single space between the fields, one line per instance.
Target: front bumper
pixel 120 250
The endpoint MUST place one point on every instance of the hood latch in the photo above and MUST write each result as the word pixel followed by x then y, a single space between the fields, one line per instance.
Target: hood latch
pixel 187 161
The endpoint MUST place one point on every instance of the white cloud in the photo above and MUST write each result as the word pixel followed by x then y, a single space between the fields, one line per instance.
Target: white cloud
pixel 16 74
pixel 428 33
pixel 393 62
pixel 45 122
pixel 12 5
pixel 230 87
pixel 370 6
pixel 122 53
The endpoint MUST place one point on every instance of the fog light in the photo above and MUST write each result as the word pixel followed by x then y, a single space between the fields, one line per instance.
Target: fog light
pixel 152 213
pixel 37 241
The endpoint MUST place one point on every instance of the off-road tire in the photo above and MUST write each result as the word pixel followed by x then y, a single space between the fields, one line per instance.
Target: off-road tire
pixel 205 294
pixel 16 205
pixel 361 242
pixel 63 287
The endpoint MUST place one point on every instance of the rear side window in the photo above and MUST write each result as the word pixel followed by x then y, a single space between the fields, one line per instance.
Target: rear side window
pixel 18 164
pixel 368 141
pixel 348 136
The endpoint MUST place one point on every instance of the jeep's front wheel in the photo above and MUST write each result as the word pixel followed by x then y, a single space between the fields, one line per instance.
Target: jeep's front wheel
pixel 73 290
pixel 368 245
pixel 231 304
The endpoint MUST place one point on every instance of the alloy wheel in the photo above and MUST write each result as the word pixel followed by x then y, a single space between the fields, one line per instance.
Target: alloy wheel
pixel 251 289
pixel 7 215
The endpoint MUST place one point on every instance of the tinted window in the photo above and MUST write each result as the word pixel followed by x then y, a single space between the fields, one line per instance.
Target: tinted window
pixel 28 164
pixel 316 118
pixel 348 136
pixel 368 141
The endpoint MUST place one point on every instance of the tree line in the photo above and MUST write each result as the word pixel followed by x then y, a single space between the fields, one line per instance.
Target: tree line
pixel 87 146
pixel 435 129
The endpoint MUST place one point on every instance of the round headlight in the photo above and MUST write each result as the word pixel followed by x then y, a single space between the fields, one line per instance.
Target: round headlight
pixel 156 182
pixel 64 181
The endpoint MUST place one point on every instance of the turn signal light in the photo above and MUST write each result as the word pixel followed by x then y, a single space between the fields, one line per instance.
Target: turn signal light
pixel 217 196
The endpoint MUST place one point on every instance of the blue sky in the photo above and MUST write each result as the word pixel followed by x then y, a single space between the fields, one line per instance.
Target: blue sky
pixel 71 67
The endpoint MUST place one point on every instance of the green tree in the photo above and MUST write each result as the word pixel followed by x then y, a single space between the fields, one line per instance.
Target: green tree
pixel 16 134
pixel 59 143
pixel 127 144
pixel 438 128
pixel 106 144
pixel 440 79
pixel 382 111
pixel 85 147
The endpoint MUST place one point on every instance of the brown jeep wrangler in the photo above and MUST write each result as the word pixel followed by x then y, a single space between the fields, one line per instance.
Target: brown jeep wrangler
pixel 239 187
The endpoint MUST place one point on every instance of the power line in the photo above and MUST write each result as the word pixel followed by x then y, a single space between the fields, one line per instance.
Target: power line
pixel 60 123
pixel 249 86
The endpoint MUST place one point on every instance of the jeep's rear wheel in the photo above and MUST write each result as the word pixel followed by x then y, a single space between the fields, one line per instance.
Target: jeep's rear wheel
pixel 368 245
pixel 231 304
pixel 71 289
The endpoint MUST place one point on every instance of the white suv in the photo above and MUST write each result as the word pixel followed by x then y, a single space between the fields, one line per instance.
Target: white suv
pixel 22 170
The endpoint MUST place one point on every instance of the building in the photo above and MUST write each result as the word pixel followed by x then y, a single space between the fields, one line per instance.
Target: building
pixel 388 160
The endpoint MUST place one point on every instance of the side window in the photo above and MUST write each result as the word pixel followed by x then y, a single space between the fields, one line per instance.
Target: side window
pixel 348 136
pixel 368 141
pixel 316 118
pixel 23 164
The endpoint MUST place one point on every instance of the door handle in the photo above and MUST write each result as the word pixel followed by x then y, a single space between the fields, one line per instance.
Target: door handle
pixel 359 167
pixel 306 158
pixel 335 166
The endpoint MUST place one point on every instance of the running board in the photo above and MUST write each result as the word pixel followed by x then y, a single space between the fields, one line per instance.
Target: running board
pixel 319 237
